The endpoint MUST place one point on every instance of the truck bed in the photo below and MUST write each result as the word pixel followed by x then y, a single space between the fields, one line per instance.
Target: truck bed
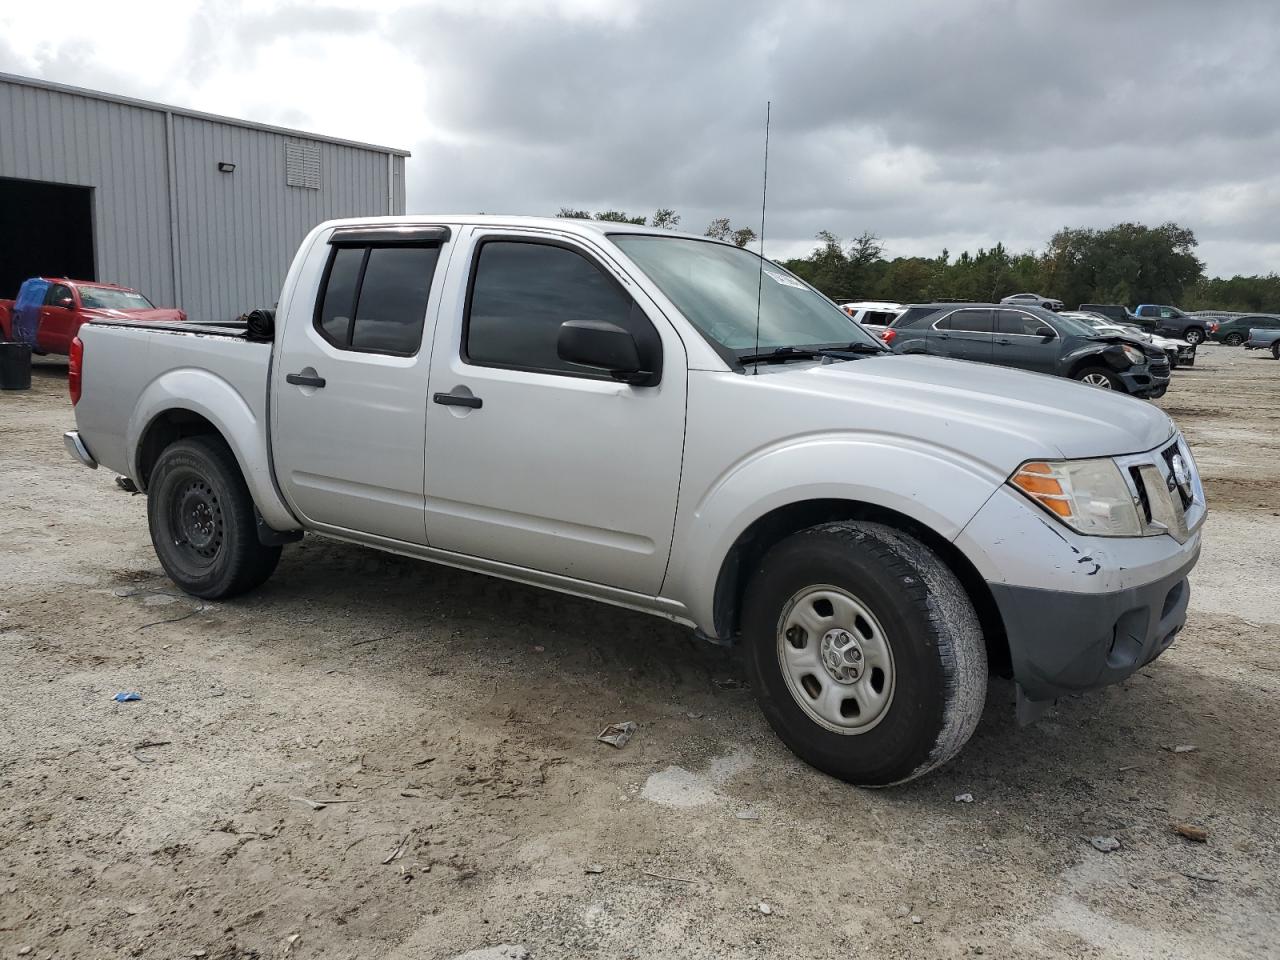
pixel 130 371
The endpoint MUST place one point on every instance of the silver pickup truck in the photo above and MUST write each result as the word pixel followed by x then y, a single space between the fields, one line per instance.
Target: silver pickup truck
pixel 671 424
pixel 1264 338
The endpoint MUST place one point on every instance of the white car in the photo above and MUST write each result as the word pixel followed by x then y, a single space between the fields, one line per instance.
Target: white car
pixel 875 316
pixel 1035 300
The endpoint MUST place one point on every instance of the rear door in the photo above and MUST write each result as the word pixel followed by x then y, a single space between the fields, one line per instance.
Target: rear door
pixel 1017 344
pixel 57 317
pixel 535 462
pixel 349 384
pixel 963 334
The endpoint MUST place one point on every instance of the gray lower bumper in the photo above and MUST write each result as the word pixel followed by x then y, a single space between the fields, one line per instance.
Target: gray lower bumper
pixel 1062 643
pixel 75 446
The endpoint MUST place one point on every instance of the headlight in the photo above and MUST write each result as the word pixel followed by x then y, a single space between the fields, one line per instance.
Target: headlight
pixel 1135 355
pixel 1089 496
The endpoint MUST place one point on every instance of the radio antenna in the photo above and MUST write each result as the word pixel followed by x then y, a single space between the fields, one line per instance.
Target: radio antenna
pixel 764 202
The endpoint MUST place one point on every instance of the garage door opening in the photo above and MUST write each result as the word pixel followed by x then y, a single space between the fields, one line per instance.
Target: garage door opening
pixel 46 230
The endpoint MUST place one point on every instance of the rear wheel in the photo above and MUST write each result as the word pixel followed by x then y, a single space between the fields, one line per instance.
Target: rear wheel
pixel 202 521
pixel 864 652
pixel 1194 336
pixel 1233 339
pixel 1099 377
pixel 1275 350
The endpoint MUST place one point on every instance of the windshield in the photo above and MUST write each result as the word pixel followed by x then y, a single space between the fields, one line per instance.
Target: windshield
pixel 107 298
pixel 715 286
pixel 1078 327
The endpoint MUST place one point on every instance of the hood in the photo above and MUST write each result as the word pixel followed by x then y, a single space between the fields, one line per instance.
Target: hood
pixel 163 314
pixel 1020 415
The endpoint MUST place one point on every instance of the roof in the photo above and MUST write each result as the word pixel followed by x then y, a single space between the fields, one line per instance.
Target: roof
pixel 559 224
pixel 196 114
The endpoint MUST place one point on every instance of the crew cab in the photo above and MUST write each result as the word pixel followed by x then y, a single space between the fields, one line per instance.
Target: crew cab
pixel 671 424
pixel 1172 322
pixel 1032 338
pixel 49 311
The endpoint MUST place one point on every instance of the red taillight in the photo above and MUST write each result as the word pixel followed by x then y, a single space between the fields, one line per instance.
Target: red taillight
pixel 889 336
pixel 74 370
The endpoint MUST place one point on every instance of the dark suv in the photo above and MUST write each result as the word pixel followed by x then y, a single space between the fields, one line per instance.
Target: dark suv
pixel 1033 339
pixel 1172 322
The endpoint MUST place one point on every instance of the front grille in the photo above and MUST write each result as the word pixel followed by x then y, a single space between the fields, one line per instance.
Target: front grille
pixel 1163 503
pixel 1159 368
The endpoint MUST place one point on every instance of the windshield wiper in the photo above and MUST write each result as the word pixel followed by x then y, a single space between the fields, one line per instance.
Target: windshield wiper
pixel 781 354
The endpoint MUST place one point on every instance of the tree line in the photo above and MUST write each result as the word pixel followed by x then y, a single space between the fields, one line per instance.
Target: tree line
pixel 1128 263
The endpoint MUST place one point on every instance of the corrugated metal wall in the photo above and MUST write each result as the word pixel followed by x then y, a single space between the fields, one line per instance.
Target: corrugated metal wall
pixel 234 233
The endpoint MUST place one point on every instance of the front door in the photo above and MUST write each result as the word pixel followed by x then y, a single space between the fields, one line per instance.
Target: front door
pixel 536 462
pixel 57 317
pixel 1016 343
pixel 963 334
pixel 349 387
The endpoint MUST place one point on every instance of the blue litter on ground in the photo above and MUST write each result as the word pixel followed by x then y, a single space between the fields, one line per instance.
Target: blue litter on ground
pixel 126 697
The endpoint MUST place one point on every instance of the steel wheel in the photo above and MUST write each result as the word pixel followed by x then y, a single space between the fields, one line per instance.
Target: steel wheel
pixel 836 660
pixel 1099 380
pixel 195 521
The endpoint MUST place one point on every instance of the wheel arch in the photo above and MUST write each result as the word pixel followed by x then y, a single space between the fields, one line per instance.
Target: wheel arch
pixel 774 526
pixel 175 406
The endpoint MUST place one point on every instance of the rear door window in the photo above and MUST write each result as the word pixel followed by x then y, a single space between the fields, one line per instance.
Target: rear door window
pixel 375 297
pixel 971 321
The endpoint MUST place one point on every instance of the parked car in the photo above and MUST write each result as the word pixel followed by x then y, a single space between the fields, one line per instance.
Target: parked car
pixel 1264 338
pixel 49 311
pixel 1032 338
pixel 1235 331
pixel 1033 300
pixel 874 529
pixel 1172 322
pixel 1119 313
pixel 1179 352
pixel 874 315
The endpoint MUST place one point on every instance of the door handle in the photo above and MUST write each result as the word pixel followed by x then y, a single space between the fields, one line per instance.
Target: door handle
pixel 458 400
pixel 1005 342
pixel 944 336
pixel 302 380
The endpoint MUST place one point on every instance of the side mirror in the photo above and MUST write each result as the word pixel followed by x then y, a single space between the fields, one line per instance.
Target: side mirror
pixel 605 346
pixel 1046 334
pixel 66 302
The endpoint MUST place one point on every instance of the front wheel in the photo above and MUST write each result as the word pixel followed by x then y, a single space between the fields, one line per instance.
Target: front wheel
pixel 1099 377
pixel 1275 350
pixel 202 523
pixel 1194 336
pixel 865 652
pixel 1233 339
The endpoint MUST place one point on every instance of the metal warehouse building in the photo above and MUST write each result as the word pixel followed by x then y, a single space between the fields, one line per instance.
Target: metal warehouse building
pixel 194 210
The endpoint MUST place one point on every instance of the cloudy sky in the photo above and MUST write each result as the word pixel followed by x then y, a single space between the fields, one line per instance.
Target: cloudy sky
pixel 928 124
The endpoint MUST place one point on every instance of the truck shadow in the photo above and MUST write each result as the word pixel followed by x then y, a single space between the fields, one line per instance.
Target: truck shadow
pixel 568 663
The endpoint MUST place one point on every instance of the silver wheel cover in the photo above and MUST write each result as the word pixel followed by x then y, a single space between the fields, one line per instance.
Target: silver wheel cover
pixel 836 660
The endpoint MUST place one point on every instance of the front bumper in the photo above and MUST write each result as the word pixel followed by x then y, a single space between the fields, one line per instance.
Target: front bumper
pixel 1062 642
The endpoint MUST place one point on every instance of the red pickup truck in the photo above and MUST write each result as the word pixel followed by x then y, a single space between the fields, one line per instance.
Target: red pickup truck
pixel 49 311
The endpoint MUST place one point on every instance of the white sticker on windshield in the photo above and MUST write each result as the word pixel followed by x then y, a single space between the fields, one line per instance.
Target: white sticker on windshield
pixel 786 281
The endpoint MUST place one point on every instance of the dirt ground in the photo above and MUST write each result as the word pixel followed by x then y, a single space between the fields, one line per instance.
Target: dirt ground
pixel 449 720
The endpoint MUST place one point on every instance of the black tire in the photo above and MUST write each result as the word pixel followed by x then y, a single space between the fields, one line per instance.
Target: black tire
pixel 938 663
pixel 1233 339
pixel 1275 350
pixel 1091 375
pixel 202 521
pixel 1193 336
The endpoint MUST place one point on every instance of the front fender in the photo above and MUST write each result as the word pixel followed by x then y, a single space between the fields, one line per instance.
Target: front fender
pixel 942 489
pixel 218 401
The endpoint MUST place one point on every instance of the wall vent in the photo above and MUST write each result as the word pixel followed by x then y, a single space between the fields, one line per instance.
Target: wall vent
pixel 302 164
